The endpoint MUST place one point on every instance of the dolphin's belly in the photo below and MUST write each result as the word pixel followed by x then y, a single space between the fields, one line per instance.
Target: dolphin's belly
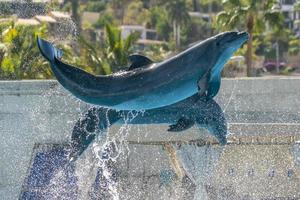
pixel 159 97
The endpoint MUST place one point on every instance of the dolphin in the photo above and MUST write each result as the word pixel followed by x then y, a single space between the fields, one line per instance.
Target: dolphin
pixel 148 85
pixel 179 116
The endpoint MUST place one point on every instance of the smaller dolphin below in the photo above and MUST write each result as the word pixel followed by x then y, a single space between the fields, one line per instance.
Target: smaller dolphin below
pixel 180 116
pixel 148 85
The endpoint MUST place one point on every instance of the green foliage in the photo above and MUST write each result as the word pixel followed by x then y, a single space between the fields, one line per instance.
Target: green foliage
pixel 239 13
pixel 287 70
pixel 91 58
pixel 66 7
pixel 210 6
pixel 20 57
pixel 95 6
pixel 157 52
pixel 112 56
pixel 178 16
pixel 297 6
pixel 195 30
pixel 118 50
pixel 177 11
pixel 135 13
pixel 104 18
pixel 294 46
pixel 280 36
pixel 158 19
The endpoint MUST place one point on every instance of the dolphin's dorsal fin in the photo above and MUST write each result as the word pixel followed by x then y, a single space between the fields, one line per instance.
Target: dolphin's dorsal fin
pixel 138 61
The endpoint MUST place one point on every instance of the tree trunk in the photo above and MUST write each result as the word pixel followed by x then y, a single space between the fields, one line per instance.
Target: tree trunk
pixel 175 32
pixel 277 56
pixel 195 5
pixel 75 14
pixel 250 23
pixel 210 17
pixel 178 36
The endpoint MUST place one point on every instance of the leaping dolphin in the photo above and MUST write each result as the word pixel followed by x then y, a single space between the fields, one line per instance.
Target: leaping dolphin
pixel 180 116
pixel 147 85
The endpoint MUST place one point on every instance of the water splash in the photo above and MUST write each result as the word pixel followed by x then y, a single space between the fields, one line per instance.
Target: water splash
pixel 107 152
pixel 231 97
pixel 38 113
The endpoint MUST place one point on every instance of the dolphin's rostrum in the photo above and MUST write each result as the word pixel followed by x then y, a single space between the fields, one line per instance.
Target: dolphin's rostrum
pixel 147 85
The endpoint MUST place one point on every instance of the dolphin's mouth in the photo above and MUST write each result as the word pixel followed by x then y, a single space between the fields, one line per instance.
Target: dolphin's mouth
pixel 238 37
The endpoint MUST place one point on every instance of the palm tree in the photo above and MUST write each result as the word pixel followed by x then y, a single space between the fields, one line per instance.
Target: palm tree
pixel 112 56
pixel 178 15
pixel 251 15
pixel 118 49
pixel 91 57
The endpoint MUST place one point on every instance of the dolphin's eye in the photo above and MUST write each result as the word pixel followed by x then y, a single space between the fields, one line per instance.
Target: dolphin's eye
pixel 218 43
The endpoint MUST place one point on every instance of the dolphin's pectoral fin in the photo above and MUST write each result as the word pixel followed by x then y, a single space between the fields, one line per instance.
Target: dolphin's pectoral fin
pixel 203 85
pixel 181 125
pixel 214 85
pixel 138 61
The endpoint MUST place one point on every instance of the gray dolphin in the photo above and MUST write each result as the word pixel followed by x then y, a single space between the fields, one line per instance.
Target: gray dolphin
pixel 180 116
pixel 147 85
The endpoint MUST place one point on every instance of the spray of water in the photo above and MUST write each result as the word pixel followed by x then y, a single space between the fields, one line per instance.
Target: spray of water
pixel 231 97
pixel 114 146
pixel 38 113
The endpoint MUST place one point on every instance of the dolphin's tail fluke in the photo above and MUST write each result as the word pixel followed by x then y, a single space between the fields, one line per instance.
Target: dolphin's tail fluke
pixel 48 50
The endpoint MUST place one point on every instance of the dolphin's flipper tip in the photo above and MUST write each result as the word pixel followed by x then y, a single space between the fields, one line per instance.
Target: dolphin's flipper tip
pixel 222 141
pixel 181 125
pixel 79 144
pixel 221 133
pixel 72 158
